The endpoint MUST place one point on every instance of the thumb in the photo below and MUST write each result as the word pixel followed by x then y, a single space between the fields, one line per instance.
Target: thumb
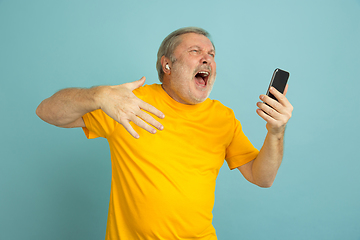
pixel 136 84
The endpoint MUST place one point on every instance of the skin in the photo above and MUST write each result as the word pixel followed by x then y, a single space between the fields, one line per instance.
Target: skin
pixel 195 52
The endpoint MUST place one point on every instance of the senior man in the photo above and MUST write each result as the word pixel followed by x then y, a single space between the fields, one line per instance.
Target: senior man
pixel 164 171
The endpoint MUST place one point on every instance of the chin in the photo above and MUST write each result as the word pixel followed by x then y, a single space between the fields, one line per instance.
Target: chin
pixel 199 98
pixel 203 94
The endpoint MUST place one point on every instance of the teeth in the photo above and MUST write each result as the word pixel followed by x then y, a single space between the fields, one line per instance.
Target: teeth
pixel 204 73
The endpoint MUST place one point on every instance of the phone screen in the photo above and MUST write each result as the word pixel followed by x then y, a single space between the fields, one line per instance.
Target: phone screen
pixel 278 81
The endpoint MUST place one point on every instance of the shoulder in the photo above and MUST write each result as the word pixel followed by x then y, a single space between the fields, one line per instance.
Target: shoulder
pixel 146 90
pixel 218 108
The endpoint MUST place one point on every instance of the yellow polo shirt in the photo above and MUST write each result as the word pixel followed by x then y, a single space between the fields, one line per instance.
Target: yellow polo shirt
pixel 163 184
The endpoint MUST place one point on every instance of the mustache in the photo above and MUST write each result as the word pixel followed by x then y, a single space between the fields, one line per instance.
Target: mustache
pixel 203 67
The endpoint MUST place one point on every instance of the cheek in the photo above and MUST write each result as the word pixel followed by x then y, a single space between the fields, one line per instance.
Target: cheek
pixel 214 71
pixel 213 67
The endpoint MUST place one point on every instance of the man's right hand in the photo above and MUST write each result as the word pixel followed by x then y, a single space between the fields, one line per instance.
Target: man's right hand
pixel 120 103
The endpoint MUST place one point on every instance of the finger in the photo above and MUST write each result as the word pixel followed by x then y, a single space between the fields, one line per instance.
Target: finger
pixel 130 129
pixel 141 123
pixel 270 111
pixel 136 84
pixel 149 119
pixel 271 102
pixel 281 108
pixel 151 109
pixel 279 96
pixel 275 92
pixel 265 116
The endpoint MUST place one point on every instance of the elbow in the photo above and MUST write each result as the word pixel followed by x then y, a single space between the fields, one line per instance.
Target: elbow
pixel 264 181
pixel 264 184
pixel 261 182
pixel 38 111
pixel 41 113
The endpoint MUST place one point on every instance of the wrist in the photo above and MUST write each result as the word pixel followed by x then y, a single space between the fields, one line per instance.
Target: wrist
pixel 276 132
pixel 98 95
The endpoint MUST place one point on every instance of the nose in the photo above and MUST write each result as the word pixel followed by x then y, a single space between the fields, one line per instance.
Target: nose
pixel 206 59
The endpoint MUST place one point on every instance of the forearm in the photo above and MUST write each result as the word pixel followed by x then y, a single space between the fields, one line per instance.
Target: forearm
pixel 68 105
pixel 267 163
pixel 262 170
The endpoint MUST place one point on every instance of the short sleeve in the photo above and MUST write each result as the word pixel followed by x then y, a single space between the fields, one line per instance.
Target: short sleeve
pixel 240 151
pixel 98 124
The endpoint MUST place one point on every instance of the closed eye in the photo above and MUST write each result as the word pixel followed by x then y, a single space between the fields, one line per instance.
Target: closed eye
pixel 212 53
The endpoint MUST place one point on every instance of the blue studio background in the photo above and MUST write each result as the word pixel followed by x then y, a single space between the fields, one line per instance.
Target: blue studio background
pixel 55 184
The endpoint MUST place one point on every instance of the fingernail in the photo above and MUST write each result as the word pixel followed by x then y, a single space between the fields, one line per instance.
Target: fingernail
pixel 262 97
pixel 161 127
pixel 153 131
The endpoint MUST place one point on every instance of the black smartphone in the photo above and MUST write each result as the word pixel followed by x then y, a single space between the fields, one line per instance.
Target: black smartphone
pixel 278 81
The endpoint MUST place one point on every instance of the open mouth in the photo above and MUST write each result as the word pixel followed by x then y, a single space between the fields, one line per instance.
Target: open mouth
pixel 202 77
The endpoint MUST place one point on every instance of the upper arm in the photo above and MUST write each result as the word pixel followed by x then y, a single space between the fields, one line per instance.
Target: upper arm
pixel 77 123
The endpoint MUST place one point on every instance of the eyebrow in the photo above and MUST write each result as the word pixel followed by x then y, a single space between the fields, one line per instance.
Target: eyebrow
pixel 196 46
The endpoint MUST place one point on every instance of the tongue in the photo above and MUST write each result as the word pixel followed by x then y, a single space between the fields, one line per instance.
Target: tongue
pixel 200 81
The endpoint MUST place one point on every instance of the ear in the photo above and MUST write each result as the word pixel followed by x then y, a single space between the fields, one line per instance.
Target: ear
pixel 166 62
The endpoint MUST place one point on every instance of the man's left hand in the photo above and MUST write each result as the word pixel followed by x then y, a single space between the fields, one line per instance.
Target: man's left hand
pixel 276 113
